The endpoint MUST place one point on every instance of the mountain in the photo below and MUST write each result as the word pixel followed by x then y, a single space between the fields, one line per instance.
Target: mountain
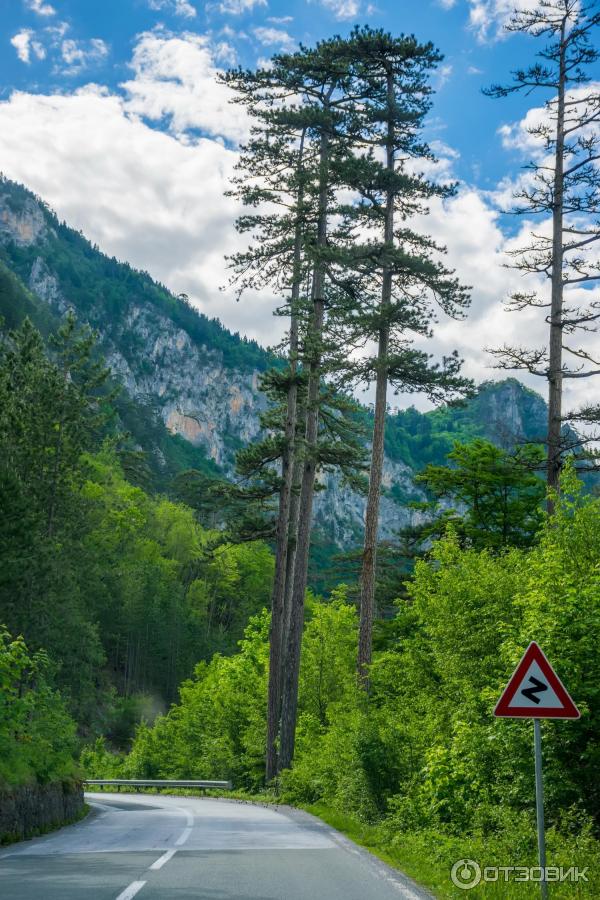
pixel 191 392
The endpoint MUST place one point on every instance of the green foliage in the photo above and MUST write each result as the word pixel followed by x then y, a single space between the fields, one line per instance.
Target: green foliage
pixel 48 412
pixel 164 591
pixel 420 439
pixel 217 729
pixel 102 289
pixel 422 757
pixel 496 494
pixel 37 735
pixel 17 303
pixel 125 591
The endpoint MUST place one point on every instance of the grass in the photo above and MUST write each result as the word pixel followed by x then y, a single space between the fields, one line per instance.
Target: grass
pixel 428 856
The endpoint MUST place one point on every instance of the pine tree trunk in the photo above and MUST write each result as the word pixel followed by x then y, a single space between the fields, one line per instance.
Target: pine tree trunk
pixel 292 541
pixel 283 521
pixel 294 643
pixel 556 309
pixel 369 561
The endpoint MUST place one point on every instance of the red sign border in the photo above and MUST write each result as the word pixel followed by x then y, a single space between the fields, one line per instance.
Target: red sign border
pixel 568 709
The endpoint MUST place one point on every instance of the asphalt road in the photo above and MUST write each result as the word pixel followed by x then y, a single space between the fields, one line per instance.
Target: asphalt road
pixel 159 847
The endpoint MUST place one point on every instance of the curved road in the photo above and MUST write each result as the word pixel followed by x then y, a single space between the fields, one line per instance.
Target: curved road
pixel 160 847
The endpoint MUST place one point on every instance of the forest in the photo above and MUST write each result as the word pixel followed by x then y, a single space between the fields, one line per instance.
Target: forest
pixel 171 627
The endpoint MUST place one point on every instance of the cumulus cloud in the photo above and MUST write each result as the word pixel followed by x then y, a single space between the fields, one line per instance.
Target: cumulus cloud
pixel 277 37
pixel 40 7
pixel 156 198
pixel 25 45
pixel 443 75
pixel 237 7
pixel 178 7
pixel 225 53
pixel 152 197
pixel 78 55
pixel 487 18
pixel 342 9
pixel 175 81
pixel 523 138
pixel 140 193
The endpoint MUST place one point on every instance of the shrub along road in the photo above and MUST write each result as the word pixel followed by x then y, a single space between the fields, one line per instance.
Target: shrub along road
pixel 158 847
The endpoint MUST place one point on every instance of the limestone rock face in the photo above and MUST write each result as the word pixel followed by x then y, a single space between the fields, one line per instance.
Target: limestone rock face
pixel 203 387
pixel 24 226
pixel 43 283
pixel 207 404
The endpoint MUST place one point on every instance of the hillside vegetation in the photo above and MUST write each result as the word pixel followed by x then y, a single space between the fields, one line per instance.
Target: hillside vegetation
pixel 420 768
pixel 123 590
pixel 103 291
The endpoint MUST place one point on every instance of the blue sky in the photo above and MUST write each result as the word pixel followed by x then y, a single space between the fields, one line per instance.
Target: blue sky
pixel 461 117
pixel 111 112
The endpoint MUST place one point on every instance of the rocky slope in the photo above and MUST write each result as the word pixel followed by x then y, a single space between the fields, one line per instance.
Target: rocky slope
pixel 202 382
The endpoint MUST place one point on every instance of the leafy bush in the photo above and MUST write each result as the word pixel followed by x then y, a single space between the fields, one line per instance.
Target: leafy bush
pixel 37 735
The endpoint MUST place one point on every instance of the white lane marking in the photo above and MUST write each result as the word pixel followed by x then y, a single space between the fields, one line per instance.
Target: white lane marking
pixel 132 890
pixel 189 818
pixel 183 837
pixel 163 859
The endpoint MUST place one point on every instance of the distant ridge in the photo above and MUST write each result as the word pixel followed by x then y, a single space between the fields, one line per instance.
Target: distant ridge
pixel 191 392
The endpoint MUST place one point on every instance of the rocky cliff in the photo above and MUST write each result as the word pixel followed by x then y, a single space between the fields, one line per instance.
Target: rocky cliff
pixel 203 382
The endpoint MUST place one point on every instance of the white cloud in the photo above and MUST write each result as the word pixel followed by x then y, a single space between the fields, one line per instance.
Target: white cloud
pixel 280 20
pixel 25 44
pixel 274 37
pixel 40 7
pixel 21 42
pixel 468 226
pixel 342 9
pixel 225 53
pixel 487 18
pixel 523 138
pixel 178 7
pixel 175 80
pixel 156 198
pixel 57 32
pixel 473 70
pixel 77 55
pixel 237 7
pixel 447 4
pixel 140 193
pixel 443 75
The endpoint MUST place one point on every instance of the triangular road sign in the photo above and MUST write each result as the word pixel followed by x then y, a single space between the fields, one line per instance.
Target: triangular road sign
pixel 535 691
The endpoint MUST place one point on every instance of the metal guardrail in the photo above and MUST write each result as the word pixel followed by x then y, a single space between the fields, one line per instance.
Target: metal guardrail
pixel 140 783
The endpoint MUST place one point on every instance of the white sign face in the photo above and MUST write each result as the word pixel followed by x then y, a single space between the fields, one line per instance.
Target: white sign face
pixel 535 691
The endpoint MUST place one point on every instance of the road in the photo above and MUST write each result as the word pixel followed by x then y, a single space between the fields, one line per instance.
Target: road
pixel 160 847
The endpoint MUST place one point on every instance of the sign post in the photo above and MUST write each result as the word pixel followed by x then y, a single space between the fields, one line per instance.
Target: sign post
pixel 536 692
pixel 539 804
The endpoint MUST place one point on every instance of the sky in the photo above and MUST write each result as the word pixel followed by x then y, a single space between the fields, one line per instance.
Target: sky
pixel 110 111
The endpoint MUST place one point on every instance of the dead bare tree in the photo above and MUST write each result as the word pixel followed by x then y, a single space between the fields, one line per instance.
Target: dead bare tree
pixel 562 187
